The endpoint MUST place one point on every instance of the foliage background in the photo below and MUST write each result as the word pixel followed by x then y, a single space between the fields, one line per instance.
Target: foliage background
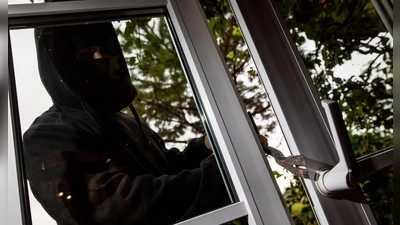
pixel 342 30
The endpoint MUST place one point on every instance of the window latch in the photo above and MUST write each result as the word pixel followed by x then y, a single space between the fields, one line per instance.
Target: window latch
pixel 345 174
pixel 294 163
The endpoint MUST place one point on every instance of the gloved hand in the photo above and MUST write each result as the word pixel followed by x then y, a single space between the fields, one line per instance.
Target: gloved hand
pixel 263 140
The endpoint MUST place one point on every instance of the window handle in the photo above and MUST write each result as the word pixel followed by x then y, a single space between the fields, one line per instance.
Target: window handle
pixel 296 164
pixel 346 174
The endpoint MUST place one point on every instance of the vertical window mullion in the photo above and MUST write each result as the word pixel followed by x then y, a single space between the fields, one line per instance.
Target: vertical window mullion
pixel 296 104
pixel 250 172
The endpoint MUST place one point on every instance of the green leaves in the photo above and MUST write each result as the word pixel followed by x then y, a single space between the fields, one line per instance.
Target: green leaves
pixel 297 201
pixel 236 31
pixel 165 100
pixel 344 31
pixel 231 55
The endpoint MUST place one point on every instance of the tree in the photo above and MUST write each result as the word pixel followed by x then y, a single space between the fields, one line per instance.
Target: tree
pixel 340 30
pixel 165 99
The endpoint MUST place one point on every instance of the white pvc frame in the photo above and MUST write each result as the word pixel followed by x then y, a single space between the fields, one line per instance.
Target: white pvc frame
pixel 231 129
pixel 297 106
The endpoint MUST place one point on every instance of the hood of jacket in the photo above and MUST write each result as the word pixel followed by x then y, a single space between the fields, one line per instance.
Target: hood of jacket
pixel 103 85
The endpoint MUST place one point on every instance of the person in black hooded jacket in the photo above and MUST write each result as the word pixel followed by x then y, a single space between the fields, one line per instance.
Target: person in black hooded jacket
pixel 89 163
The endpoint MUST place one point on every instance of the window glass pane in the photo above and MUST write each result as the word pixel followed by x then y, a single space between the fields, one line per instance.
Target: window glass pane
pixel 245 76
pixel 349 54
pixel 247 80
pixel 254 97
pixel 88 158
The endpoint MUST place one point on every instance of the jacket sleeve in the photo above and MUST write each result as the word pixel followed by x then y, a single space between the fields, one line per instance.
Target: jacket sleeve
pixel 77 185
pixel 191 157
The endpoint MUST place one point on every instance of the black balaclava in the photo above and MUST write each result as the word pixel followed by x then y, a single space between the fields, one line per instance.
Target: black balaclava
pixel 104 84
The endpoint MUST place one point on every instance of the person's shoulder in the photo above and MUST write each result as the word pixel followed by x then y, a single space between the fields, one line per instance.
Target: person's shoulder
pixel 51 117
pixel 56 122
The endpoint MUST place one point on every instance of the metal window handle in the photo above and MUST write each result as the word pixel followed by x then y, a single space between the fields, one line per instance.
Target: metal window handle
pixel 344 175
pixel 295 163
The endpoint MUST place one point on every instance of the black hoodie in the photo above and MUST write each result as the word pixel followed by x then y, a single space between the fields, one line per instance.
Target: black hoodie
pixel 88 163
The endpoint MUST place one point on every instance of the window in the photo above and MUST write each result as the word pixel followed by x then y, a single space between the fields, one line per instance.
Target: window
pixel 198 53
pixel 162 88
pixel 296 101
pixel 204 79
pixel 350 60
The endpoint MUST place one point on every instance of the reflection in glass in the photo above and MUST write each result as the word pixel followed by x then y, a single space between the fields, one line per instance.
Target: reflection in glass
pixel 90 158
pixel 349 54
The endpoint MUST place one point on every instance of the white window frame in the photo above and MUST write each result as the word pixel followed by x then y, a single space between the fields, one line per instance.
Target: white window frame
pixel 258 194
pixel 298 107
pixel 277 59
